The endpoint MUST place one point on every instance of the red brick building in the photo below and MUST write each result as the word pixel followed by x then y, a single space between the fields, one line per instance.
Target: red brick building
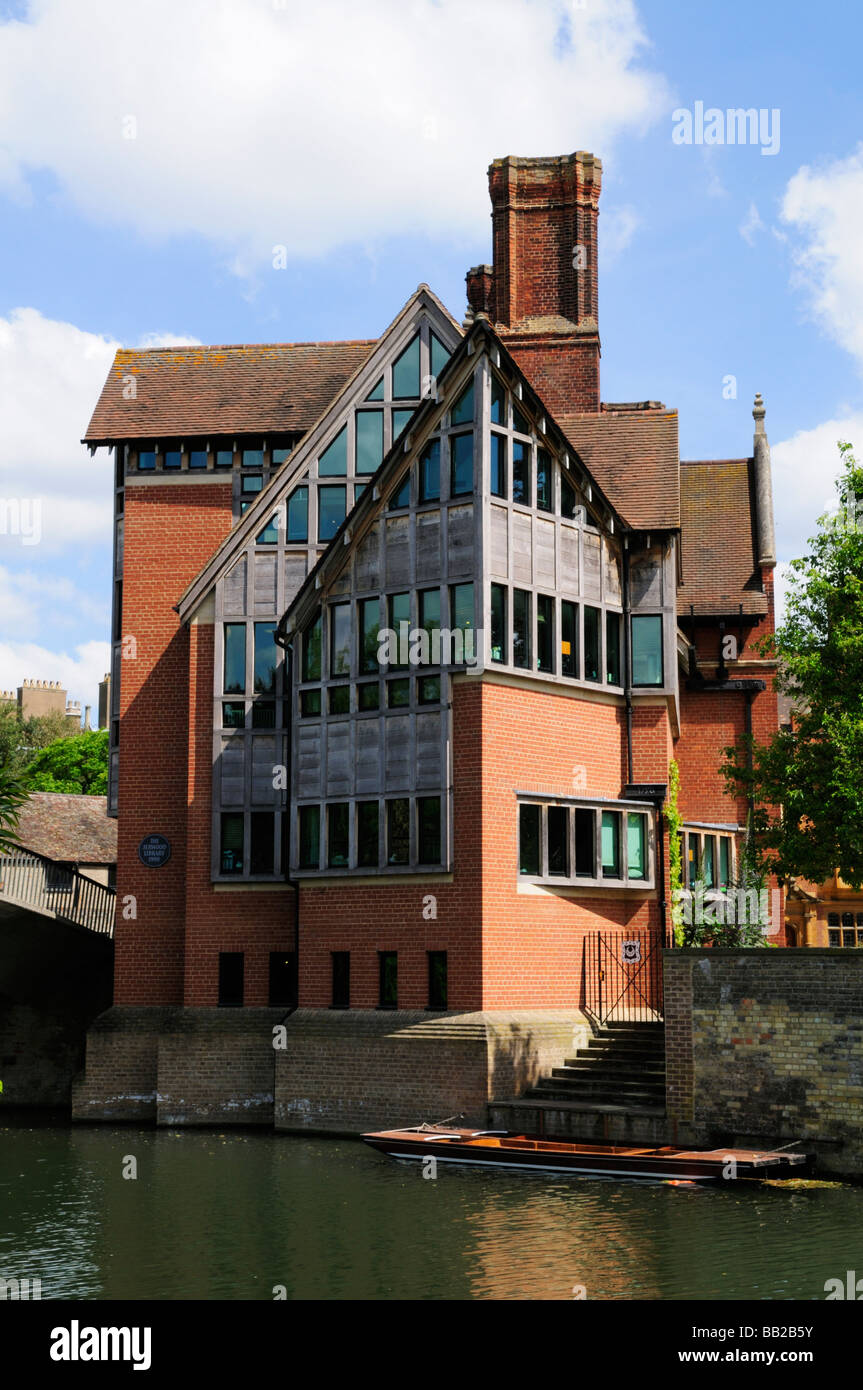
pixel 413 841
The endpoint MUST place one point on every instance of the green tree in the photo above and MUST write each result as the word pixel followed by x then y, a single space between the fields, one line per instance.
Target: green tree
pixel 13 794
pixel 22 739
pixel 812 775
pixel 77 763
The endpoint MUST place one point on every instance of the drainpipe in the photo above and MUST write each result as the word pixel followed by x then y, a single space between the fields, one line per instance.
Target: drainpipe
pixel 627 658
pixel 286 869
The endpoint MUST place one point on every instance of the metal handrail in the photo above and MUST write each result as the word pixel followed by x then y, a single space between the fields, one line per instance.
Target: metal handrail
pixel 34 880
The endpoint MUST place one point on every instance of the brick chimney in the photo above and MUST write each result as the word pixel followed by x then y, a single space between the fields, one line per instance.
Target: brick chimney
pixel 541 291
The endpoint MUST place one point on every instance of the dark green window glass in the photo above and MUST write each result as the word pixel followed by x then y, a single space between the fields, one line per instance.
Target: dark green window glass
pixel 647 649
pixel 498 623
pixel 337 835
pixel 197 458
pixel 367 834
pixel 428 690
pixel 310 837
pixel 400 422
pixel 406 372
pixel 437 980
pixel 399 693
pixel 399 614
pixel 266 658
pixel 709 862
pixel 312 651
pixel 558 841
pixel 264 714
pixel 173 459
pixel 370 623
pixel 585 843
pixel 298 515
pixel 340 639
pixel 611 844
pixel 368 695
pixel 498 465
pixel 341 971
pixel 439 356
pixel 520 472
pixel 724 861
pixel 224 458
pixel 369 440
pixel 388 990
pixel 529 856
pixel 430 472
pixel 377 392
pixel 462 411
pixel 253 458
pixel 340 699
pixel 235 658
pixel 569 638
pixel 231 850
pixel 333 462
pixel 234 715
pixel 146 460
pixel 461 464
pixel 270 533
pixel 398 831
pixel 543 481
pixel 567 500
pixel 332 504
pixel 262 843
pixel 402 495
pixel 612 648
pixel 636 847
pixel 428 828
pixel 359 489
pixel 592 617
pixel 310 703
pixel 519 421
pixel 498 402
pixel 544 633
pixel 429 611
pixel 521 640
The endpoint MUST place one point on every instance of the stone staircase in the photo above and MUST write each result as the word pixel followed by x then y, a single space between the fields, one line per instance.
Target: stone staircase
pixel 621 1069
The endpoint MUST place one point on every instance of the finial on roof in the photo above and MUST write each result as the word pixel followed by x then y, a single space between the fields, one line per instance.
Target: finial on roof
pixel 758 413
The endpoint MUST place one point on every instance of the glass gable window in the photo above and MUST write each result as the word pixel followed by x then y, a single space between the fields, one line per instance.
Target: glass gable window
pixel 544 632
pixel 439 355
pixel 298 515
pixel 377 392
pixel 406 372
pixel 498 402
pixel 429 472
pixel 401 420
pixel 311 670
pixel 461 464
pixel 498 623
pixel 270 534
pixel 521 637
pixel 266 658
pixel 333 462
pixel 592 619
pixel 340 639
pixel 235 658
pixel 369 440
pixel 520 472
pixel 462 411
pixel 402 495
pixel 498 465
pixel 310 837
pixel 332 509
pixel 647 649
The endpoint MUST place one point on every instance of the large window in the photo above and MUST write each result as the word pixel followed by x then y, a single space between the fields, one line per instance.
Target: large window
pixel 369 627
pixel 521 622
pixel 461 464
pixel 235 658
pixel 568 841
pixel 499 650
pixel 647 649
pixel 398 831
pixel 332 509
pixel 310 837
pixel 311 669
pixel 429 472
pixel 298 516
pixel 266 658
pixel 592 620
pixel 340 639
pixel 369 440
pixel 708 858
pixel 544 632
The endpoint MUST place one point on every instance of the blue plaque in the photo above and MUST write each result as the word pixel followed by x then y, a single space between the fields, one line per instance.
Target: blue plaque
pixel 154 851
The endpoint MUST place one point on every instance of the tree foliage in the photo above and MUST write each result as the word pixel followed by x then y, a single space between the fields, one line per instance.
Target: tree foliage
pixel 22 739
pixel 811 775
pixel 77 763
pixel 13 794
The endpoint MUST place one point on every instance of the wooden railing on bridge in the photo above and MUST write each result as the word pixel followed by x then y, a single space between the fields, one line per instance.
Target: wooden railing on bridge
pixel 32 880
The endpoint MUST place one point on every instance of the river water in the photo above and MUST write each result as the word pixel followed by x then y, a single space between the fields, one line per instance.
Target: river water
pixel 237 1215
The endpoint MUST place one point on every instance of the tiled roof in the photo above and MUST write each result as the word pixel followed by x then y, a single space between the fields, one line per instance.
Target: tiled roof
pixel 718 554
pixel 264 387
pixel 633 456
pixel 70 828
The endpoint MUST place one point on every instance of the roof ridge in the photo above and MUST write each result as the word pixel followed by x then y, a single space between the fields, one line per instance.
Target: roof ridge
pixel 243 347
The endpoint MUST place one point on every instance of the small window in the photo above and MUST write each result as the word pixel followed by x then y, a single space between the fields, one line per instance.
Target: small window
pixel 498 401
pixel 694 859
pixel 611 844
pixel 521 636
pixel 310 837
pixel 834 938
pixel 585 842
pixel 519 421
pixel 340 639
pixel 636 845
pixel 437 980
pixel 341 975
pixel 337 835
pixel 462 411
pixel 197 458
pixel 429 472
pixel 401 420
pixel 368 695
pixel 368 821
pixel 402 495
pixel 498 623
pixel 234 714
pixel 498 465
pixel 266 658
pixel 146 460
pixel 282 992
pixel 569 639
pixel 428 826
pixel 264 714
pixel 429 614
pixel 269 535
pixel 544 493
pixel 709 861
pixel 377 392
pixel 231 851
pixel 340 699
pixel 231 971
pixel 298 515
pixel 399 693
pixel 332 505
pixel 461 464
pixel 172 459
pixel 253 458
pixel 387 979
pixel 224 458
pixel 369 440
pixel 520 472
pixel 567 500
pixel 724 861
pixel 439 355
pixel 253 482
pixel 558 841
pixel 647 650
pixel 592 618
pixel 310 703
pixel 544 633
pixel 428 690
pixel 398 831
pixel 406 372
pixel 529 852
pixel 262 843
pixel 333 462
pixel 281 455
pixel 369 627
pixel 612 648
pixel 235 658
pixel 311 670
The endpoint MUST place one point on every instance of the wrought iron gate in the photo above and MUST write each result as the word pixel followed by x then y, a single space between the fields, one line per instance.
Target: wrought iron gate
pixel 623 976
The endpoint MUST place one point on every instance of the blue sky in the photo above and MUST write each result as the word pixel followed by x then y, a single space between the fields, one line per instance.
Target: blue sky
pixel 152 155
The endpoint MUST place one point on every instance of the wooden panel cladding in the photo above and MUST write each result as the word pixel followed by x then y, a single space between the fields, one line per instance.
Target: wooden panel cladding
pixel 234 589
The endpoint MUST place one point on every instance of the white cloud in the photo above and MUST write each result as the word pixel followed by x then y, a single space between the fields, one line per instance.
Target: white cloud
pixel 79 671
pixel 751 225
pixel 825 206
pixel 619 225
pixel 805 468
pixel 310 126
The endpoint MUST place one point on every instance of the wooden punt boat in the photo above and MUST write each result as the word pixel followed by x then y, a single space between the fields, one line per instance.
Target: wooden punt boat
pixel 500 1149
